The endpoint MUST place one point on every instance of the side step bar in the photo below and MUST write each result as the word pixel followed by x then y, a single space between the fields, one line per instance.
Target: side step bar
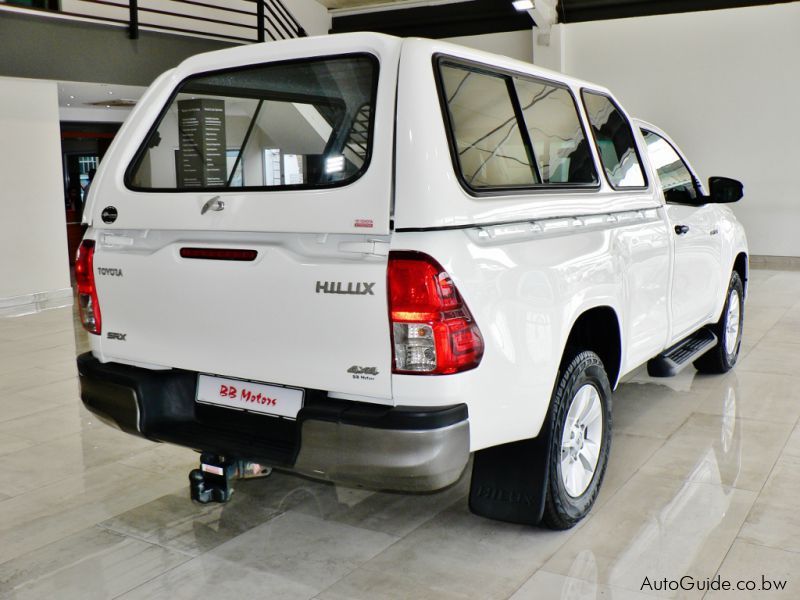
pixel 672 360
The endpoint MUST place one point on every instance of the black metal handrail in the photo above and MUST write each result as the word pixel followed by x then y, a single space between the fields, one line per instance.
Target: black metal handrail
pixel 269 19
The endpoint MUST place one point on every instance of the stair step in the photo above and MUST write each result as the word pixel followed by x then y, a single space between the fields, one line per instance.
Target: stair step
pixel 672 360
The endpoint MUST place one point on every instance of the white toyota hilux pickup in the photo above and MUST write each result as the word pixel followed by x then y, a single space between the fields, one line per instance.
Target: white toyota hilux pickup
pixel 363 258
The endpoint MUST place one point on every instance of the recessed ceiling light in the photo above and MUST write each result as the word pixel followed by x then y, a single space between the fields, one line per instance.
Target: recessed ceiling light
pixel 523 4
pixel 108 106
pixel 334 164
pixel 72 97
pixel 68 104
pixel 110 93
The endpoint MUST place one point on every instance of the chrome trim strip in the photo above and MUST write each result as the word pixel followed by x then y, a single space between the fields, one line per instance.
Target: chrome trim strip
pixel 562 225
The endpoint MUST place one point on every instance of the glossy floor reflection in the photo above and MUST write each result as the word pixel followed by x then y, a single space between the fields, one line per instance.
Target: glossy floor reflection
pixel 704 479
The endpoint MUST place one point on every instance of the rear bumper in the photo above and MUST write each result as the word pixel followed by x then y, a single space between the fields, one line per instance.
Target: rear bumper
pixel 395 448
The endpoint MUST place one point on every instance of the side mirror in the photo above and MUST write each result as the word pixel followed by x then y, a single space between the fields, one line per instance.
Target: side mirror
pixel 724 190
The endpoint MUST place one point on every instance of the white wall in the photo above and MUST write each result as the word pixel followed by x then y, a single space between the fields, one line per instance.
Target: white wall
pixel 33 242
pixel 314 17
pixel 516 44
pixel 94 115
pixel 725 84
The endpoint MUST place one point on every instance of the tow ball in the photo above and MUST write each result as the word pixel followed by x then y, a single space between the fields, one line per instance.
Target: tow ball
pixel 213 481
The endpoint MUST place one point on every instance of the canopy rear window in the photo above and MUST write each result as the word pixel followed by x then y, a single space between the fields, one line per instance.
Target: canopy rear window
pixel 289 125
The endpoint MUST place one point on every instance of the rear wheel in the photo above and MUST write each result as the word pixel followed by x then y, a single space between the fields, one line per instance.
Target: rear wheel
pixel 580 440
pixel 722 357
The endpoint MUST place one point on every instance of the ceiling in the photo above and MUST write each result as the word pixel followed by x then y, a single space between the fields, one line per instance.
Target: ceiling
pixel 83 101
pixel 439 18
pixel 355 4
pixel 573 11
pixel 435 19
pixel 334 4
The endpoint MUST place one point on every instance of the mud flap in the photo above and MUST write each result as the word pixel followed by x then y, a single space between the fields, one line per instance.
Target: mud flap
pixel 509 482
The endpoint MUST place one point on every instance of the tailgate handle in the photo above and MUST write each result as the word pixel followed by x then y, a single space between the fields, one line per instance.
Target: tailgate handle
pixel 214 204
pixel 372 247
pixel 117 240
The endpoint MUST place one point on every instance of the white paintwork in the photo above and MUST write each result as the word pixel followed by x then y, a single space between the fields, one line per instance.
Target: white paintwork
pixel 528 266
pixel 702 259
pixel 260 320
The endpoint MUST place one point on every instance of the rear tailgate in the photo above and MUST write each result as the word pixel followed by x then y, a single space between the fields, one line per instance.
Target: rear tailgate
pixel 269 319
pixel 288 159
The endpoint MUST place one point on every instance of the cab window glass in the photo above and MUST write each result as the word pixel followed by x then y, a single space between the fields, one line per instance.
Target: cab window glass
pixel 551 119
pixel 302 123
pixel 485 131
pixel 673 174
pixel 615 142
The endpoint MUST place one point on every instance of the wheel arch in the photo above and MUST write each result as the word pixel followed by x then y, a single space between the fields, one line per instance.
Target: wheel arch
pixel 598 329
pixel 741 266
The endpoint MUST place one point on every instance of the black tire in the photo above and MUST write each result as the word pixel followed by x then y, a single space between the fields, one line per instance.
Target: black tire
pixel 718 359
pixel 563 511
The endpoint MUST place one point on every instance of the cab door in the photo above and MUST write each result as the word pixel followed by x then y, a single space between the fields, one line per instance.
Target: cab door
pixel 696 240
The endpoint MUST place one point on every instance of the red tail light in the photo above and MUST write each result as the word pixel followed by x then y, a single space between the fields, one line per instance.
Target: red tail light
pixel 87 293
pixel 219 254
pixel 433 331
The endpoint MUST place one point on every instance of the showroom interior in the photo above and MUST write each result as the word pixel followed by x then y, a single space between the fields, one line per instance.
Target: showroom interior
pixel 702 477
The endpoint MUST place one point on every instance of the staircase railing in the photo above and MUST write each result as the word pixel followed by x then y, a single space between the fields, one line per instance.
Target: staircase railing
pixel 241 21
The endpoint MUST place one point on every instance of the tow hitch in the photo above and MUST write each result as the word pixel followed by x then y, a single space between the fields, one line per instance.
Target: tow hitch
pixel 212 482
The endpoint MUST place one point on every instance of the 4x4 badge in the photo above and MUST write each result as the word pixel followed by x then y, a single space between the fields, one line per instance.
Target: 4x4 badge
pixel 356 370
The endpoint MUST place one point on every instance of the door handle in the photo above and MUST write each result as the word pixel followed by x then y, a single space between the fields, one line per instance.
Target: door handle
pixel 213 204
pixel 681 229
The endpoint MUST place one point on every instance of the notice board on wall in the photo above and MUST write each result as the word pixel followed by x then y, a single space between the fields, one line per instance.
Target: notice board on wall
pixel 201 153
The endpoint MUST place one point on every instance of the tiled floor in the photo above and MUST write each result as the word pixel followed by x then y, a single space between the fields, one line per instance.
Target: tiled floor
pixel 704 479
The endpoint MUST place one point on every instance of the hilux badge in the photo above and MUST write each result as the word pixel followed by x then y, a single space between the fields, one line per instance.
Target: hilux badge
pixel 360 288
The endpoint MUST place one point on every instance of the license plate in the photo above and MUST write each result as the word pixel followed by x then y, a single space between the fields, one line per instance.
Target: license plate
pixel 247 395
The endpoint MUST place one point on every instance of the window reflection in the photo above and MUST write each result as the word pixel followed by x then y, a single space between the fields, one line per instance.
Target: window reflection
pixel 614 142
pixel 559 143
pixel 490 148
pixel 300 123
pixel 675 177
